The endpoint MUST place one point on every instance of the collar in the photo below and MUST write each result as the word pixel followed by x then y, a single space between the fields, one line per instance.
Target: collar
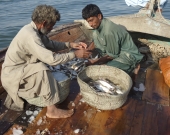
pixel 34 25
pixel 101 25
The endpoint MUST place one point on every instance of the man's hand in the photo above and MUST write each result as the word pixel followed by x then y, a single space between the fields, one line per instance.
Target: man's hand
pixel 105 59
pixel 82 53
pixel 79 45
pixel 102 60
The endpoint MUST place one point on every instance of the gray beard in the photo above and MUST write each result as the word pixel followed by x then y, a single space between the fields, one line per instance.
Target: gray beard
pixel 44 31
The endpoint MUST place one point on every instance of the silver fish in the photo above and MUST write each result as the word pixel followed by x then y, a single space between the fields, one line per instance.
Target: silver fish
pixel 77 65
pixel 102 88
pixel 119 91
pixel 106 84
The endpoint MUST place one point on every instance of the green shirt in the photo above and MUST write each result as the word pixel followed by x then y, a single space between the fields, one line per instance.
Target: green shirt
pixel 115 41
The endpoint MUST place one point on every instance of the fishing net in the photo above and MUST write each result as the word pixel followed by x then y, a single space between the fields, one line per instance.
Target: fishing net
pixel 100 100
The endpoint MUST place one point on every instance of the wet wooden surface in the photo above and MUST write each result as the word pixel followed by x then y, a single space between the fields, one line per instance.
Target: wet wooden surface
pixel 133 118
pixel 156 89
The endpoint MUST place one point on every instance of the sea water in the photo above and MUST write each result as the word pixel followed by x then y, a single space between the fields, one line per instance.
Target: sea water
pixel 14 14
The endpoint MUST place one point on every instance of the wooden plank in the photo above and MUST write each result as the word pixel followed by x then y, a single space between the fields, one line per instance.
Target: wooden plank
pixel 3 109
pixel 156 89
pixel 117 121
pixel 10 130
pixel 163 120
pixel 23 119
pixel 154 66
pixel 151 119
pixel 138 119
pixel 62 28
pixel 149 126
pixel 73 122
pixel 68 36
pixel 85 121
pixel 9 117
pixel 156 120
pixel 4 126
pixel 98 124
pixel 4 123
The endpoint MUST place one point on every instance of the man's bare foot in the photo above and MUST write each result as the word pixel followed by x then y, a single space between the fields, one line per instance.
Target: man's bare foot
pixel 53 112
pixel 136 70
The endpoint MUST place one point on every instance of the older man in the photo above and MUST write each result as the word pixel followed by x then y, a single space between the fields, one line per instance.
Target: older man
pixel 112 41
pixel 24 71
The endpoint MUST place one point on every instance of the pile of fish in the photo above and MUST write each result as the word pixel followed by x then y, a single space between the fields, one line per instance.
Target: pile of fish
pixel 69 69
pixel 106 86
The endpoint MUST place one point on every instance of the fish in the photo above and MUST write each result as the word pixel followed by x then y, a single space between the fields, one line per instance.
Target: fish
pixel 77 65
pixel 119 91
pixel 102 85
pixel 71 68
pixel 102 88
pixel 106 84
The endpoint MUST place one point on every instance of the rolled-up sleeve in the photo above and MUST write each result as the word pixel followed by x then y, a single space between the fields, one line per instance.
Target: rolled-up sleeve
pixel 54 45
pixel 37 48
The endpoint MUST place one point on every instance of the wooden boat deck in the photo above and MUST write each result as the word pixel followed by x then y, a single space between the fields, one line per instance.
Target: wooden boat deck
pixel 144 113
pixel 135 117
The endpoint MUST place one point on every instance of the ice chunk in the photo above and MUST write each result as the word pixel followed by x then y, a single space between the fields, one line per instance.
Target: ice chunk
pixel 85 113
pixel 31 119
pixel 35 113
pixel 39 121
pixel 29 112
pixel 77 131
pixel 17 131
pixel 135 89
pixel 141 87
pixel 38 132
pixel 23 118
pixel 73 104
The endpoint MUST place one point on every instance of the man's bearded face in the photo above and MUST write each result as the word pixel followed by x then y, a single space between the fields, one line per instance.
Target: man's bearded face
pixel 44 30
pixel 47 28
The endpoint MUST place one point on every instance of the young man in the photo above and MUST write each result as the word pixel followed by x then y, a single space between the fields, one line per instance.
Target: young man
pixel 24 72
pixel 112 41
